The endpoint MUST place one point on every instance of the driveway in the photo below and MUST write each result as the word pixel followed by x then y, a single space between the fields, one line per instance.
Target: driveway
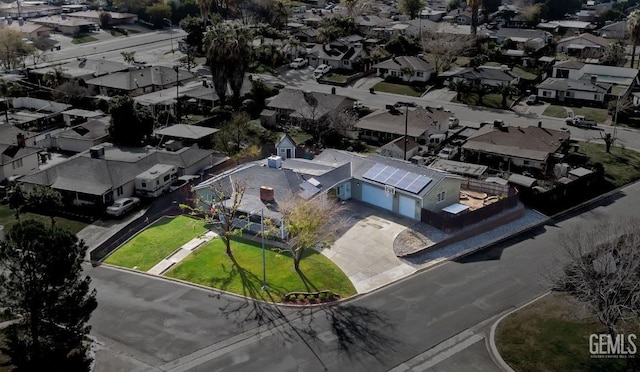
pixel 365 251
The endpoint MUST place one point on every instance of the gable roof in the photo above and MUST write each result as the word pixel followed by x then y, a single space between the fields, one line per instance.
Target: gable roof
pixel 419 121
pixel 486 73
pixel 588 37
pixel 321 103
pixel 191 132
pixel 399 142
pixel 528 142
pixel 561 84
pixel 91 130
pixel 398 63
pixel 571 65
pixel 284 139
pixel 11 152
pixel 145 77
pixel 522 33
pixel 336 52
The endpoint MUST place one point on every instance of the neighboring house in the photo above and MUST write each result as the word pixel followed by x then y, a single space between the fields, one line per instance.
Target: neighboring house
pixel 80 68
pixel 489 75
pixel 459 16
pixel 17 158
pixel 531 148
pixel 106 172
pixel 286 147
pixel 386 125
pixel 27 112
pixel 78 116
pixel 395 148
pixel 66 25
pixel 336 55
pixel 366 23
pixel 623 79
pixel 306 106
pixel 568 89
pixel 94 16
pixel 616 31
pixel 139 81
pixel 306 35
pixel 583 45
pixel 187 135
pixel 530 41
pixel 430 14
pixel 24 10
pixel 407 68
pixel 566 26
pixel 386 183
pixel 29 30
pixel 84 136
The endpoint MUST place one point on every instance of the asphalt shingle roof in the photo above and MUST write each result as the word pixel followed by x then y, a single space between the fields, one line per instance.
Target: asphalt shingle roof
pixel 398 63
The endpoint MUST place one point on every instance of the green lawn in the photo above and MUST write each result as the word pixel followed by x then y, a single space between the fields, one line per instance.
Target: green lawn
pixel 598 114
pixel 555 111
pixel 621 166
pixel 493 100
pixel 83 39
pixel 7 218
pixel 336 78
pixel 156 242
pixel 297 134
pixel 407 90
pixel 524 73
pixel 210 266
pixel 548 336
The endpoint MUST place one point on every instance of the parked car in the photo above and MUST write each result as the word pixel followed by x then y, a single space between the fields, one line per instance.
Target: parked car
pixel 321 70
pixel 358 105
pixel 447 153
pixel 408 104
pixel 580 122
pixel 183 180
pixel 298 63
pixel 532 99
pixel 453 122
pixel 122 206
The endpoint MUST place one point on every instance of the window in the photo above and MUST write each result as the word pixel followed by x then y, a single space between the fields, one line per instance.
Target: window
pixel 120 190
pixel 346 63
pixel 393 73
pixel 440 197
pixel 545 93
pixel 596 97
pixel 526 162
pixel 419 74
pixel 17 164
pixel 166 178
pixel 144 184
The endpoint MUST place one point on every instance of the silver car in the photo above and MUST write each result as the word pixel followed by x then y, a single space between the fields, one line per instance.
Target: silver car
pixel 122 206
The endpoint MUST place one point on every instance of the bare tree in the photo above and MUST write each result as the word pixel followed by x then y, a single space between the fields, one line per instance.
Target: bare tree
pixel 312 223
pixel 129 57
pixel 444 48
pixel 602 270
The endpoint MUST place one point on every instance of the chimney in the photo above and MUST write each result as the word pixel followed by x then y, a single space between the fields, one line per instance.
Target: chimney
pixel 97 152
pixel 21 140
pixel 594 79
pixel 498 123
pixel 267 194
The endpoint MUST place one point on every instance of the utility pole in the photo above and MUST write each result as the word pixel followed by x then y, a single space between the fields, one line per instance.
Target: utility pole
pixel 168 21
pixel 177 69
pixel 264 259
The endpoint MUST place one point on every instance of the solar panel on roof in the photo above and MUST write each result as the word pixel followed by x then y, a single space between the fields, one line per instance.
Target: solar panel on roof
pixel 374 171
pixel 420 183
pixel 398 178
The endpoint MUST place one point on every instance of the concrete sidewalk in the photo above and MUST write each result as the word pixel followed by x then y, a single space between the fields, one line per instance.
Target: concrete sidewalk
pixel 181 253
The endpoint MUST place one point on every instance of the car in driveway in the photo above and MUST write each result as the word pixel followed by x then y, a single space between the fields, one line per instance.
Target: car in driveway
pixel 122 206
pixel 183 180
pixel 532 100
pixel 298 63
pixel 321 70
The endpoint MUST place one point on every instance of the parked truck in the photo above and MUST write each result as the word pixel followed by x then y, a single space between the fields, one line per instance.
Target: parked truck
pixel 156 180
pixel 580 121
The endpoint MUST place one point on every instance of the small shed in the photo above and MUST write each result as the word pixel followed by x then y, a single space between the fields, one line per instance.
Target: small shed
pixel 286 147
pixel 522 180
pixel 456 209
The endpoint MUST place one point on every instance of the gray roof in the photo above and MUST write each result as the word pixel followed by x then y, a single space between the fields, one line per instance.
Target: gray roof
pixel 522 33
pixel 398 63
pixel 91 130
pixel 120 165
pixel 83 67
pixel 84 113
pixel 486 73
pixel 571 65
pixel 191 132
pixel 521 180
pixel 321 104
pixel 145 77
pixel 9 153
pixel 419 121
pixel 337 52
pixel 457 167
pixel 566 85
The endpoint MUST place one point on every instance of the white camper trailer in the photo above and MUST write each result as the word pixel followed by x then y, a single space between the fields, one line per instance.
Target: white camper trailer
pixel 156 180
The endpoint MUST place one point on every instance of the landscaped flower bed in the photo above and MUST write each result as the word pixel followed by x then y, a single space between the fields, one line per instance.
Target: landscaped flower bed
pixel 310 298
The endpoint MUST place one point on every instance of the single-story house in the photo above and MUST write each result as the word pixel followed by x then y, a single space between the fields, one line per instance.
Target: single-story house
pixel 117 18
pixel 489 75
pixel 336 55
pixel 139 81
pixel 28 112
pixel 65 25
pixel 459 16
pixel 84 136
pixel 25 10
pixel 384 182
pixel 17 158
pixel 584 45
pixel 30 30
pixel 616 31
pixel 430 14
pixel 80 68
pixel 306 35
pixel 396 148
pixel 386 125
pixel 623 79
pixel 525 39
pixel 104 173
pixel 568 89
pixel 367 22
pixel 565 26
pixel 187 134
pixel 306 106
pixel 408 68
pixel 78 116
pixel 531 147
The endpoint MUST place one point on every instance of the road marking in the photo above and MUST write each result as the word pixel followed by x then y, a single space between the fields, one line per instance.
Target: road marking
pixel 441 352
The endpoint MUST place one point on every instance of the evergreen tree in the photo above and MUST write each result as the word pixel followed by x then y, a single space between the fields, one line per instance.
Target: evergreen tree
pixel 130 121
pixel 41 282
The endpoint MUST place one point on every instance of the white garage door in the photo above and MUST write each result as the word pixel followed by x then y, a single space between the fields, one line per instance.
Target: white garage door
pixel 376 196
pixel 407 206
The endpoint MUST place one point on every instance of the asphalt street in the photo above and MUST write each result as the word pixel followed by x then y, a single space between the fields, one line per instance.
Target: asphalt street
pixel 151 324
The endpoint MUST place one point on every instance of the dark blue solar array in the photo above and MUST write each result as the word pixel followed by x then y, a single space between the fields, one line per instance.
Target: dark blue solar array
pixel 398 178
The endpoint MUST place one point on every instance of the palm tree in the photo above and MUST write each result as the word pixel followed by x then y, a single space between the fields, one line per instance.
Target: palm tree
pixel 205 7
pixel 461 87
pixel 633 26
pixel 54 78
pixel 506 90
pixel 229 54
pixel 6 87
pixel 483 90
pixel 474 4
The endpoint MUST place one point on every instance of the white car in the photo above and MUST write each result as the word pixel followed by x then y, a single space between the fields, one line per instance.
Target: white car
pixel 181 181
pixel 298 63
pixel 447 153
pixel 453 122
pixel 321 70
pixel 122 206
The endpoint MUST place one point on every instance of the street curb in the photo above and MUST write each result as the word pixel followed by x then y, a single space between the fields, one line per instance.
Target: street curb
pixel 493 349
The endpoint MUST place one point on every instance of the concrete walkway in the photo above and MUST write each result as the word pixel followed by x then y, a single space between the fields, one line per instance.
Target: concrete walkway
pixel 181 253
